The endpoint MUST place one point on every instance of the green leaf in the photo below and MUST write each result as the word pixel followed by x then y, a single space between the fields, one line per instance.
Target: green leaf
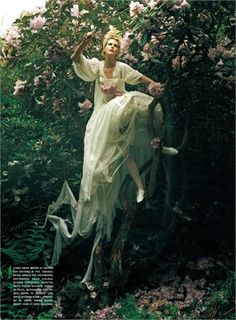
pixel 157 61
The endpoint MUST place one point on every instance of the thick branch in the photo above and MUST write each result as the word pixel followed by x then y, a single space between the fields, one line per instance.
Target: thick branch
pixel 186 134
pixel 156 157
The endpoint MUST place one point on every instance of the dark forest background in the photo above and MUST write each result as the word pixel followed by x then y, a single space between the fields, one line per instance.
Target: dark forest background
pixel 178 255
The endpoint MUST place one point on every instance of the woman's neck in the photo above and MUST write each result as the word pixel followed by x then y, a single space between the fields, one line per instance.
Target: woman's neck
pixel 109 61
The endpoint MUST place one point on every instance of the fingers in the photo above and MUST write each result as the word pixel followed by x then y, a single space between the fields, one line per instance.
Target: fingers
pixel 88 36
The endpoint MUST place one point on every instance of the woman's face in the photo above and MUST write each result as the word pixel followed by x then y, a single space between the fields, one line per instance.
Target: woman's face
pixel 112 47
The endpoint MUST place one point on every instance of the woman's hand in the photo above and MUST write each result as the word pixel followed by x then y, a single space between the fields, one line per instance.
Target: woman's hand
pixel 156 89
pixel 79 49
pixel 87 37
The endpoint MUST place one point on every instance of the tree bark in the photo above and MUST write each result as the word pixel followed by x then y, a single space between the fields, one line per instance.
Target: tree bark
pixel 116 273
pixel 98 263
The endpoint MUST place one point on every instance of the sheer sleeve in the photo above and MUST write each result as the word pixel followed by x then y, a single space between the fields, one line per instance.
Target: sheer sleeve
pixel 86 69
pixel 130 75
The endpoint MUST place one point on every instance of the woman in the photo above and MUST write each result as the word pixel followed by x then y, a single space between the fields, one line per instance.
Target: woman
pixel 114 126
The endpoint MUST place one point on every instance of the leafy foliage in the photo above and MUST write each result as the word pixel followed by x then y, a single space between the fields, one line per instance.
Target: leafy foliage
pixel 221 302
pixel 190 48
pixel 8 311
pixel 27 246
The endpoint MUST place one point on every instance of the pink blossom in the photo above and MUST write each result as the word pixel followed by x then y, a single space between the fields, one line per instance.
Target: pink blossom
pixel 227 54
pixel 220 49
pixel 74 11
pixel 46 73
pixel 180 5
pixel 12 36
pixel 203 17
pixel 184 45
pixel 155 143
pixel 110 89
pixel 146 47
pixel 212 53
pixel 98 35
pixel 57 104
pixel 146 56
pixel 19 87
pixel 107 313
pixel 101 314
pixel 130 57
pixel 37 22
pixel 85 106
pixel 62 43
pixel 154 40
pixel 135 8
pixel 37 80
pixel 126 42
pixel 156 89
pixel 179 62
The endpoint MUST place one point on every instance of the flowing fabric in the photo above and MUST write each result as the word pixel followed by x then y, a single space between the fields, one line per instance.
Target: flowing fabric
pixel 117 127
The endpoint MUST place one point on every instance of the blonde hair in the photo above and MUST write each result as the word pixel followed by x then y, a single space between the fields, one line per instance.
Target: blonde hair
pixel 113 33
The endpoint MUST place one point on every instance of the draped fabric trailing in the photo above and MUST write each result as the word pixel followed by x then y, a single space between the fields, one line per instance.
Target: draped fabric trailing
pixel 117 127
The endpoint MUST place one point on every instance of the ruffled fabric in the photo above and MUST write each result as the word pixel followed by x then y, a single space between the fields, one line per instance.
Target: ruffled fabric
pixel 117 126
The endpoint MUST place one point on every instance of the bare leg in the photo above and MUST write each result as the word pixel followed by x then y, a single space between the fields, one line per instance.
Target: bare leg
pixel 133 171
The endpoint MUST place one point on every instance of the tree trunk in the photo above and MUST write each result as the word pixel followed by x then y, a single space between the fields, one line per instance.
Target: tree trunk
pixel 168 217
pixel 117 278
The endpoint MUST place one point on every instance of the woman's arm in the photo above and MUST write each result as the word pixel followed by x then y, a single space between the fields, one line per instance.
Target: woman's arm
pixel 147 80
pixel 79 49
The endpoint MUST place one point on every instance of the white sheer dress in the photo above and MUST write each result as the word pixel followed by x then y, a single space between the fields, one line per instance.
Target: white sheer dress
pixel 118 125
